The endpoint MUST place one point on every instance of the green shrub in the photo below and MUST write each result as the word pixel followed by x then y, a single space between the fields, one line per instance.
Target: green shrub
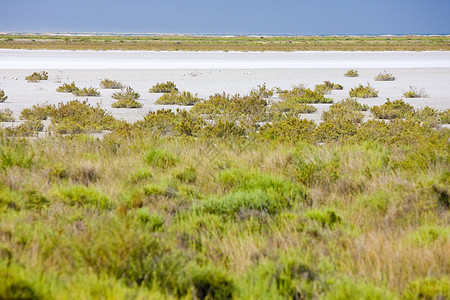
pixel 35 200
pixel 18 283
pixel 35 77
pixel 261 91
pixel 18 154
pixel 82 196
pixel 428 289
pixel 289 129
pixel 86 92
pixel 176 98
pixel 346 289
pixel 77 117
pixel 426 235
pixel 37 112
pixel 327 86
pixel 6 115
pixel 126 103
pixel 167 87
pixel 187 175
pixel 223 129
pixel 384 77
pixel 392 110
pixel 211 283
pixel 415 93
pixel 290 108
pixel 351 103
pixel 160 158
pixel 127 93
pixel 326 218
pixel 342 113
pixel 445 116
pixel 110 84
pixel 351 73
pixel 67 88
pixel 3 97
pixel 301 94
pixel 363 92
pixel 153 222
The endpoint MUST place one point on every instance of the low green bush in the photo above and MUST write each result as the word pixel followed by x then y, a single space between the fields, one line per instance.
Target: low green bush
pixel 86 92
pixel 347 289
pixel 363 92
pixel 290 108
pixel 127 93
pixel 326 218
pixel 385 76
pixel 428 288
pixel 166 87
pixel 176 98
pixel 187 175
pixel 415 93
pixel 152 222
pixel 126 103
pixel 392 110
pixel 209 282
pixel 35 77
pixel 110 84
pixel 3 97
pixel 67 88
pixel 345 111
pixel 261 91
pixel 82 196
pixel 327 87
pixel 223 129
pixel 289 128
pixel 445 116
pixel 160 158
pixel 6 115
pixel 301 94
pixel 37 112
pixel 351 73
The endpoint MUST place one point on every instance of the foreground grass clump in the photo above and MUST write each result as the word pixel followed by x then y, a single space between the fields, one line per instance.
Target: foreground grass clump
pixel 304 95
pixel 111 84
pixel 6 115
pixel 351 73
pixel 176 98
pixel 67 88
pixel 167 87
pixel 216 204
pixel 36 77
pixel 385 76
pixel 363 92
pixel 86 92
pixel 415 93
pixel 3 97
pixel 392 110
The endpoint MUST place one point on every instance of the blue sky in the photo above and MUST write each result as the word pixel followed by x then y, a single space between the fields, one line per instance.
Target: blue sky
pixel 228 16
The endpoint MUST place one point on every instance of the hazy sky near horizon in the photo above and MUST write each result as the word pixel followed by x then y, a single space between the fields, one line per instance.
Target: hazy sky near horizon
pixel 228 16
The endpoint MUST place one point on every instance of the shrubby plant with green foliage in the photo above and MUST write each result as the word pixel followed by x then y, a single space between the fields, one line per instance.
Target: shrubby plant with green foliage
pixel 166 87
pixel 415 93
pixel 327 86
pixel 86 92
pixel 110 84
pixel 304 95
pixel 363 92
pixel 67 88
pixel 177 98
pixel 445 116
pixel 351 73
pixel 127 92
pixel 392 110
pixel 3 96
pixel 6 115
pixel 384 76
pixel 36 77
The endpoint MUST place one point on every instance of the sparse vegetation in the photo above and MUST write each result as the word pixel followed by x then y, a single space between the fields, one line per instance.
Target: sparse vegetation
pixel 351 73
pixel 363 92
pixel 127 102
pixel 384 76
pixel 111 84
pixel 225 202
pixel 327 87
pixel 415 93
pixel 167 87
pixel 36 77
pixel 3 96
pixel 176 98
pixel 445 116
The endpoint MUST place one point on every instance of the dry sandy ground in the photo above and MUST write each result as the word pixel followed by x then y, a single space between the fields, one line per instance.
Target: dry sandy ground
pixel 216 72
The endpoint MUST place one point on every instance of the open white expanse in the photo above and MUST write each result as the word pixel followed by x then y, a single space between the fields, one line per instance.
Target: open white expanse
pixel 67 59
pixel 217 72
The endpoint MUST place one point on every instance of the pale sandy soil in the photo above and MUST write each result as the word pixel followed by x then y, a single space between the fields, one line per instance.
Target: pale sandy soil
pixel 218 72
